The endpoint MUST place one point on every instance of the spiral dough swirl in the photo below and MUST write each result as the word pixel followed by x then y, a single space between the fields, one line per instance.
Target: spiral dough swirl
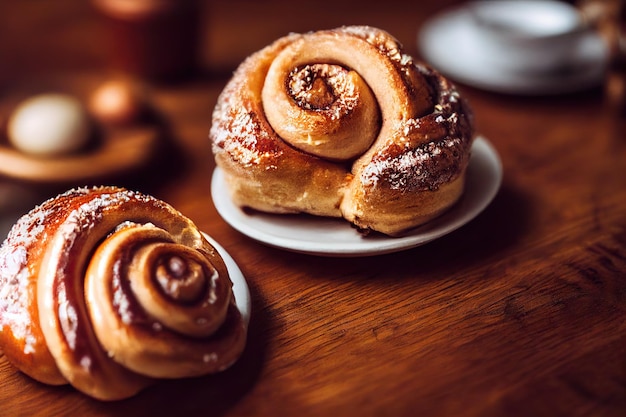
pixel 343 123
pixel 110 290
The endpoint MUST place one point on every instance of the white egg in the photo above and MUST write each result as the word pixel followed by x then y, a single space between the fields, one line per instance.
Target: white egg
pixel 49 125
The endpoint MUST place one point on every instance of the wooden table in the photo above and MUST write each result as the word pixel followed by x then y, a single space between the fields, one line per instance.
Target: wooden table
pixel 522 312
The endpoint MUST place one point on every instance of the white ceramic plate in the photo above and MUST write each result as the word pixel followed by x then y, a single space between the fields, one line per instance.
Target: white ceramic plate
pixel 335 237
pixel 449 42
pixel 240 285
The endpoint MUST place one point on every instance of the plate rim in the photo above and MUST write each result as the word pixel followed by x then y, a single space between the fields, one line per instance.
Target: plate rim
pixel 378 245
pixel 241 290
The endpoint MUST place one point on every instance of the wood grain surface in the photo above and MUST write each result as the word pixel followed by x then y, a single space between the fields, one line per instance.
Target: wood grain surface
pixel 522 312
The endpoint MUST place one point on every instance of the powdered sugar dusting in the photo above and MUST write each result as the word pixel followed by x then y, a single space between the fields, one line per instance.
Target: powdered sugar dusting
pixel 436 147
pixel 17 290
pixel 341 94
pixel 237 128
pixel 19 250
pixel 385 43
pixel 240 137
pixel 14 294
pixel 426 167
pixel 83 218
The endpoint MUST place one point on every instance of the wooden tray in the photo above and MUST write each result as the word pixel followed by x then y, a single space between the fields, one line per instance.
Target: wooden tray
pixel 113 151
pixel 119 151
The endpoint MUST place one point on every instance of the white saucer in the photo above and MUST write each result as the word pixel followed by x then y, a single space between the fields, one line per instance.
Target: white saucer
pixel 449 42
pixel 335 237
pixel 240 286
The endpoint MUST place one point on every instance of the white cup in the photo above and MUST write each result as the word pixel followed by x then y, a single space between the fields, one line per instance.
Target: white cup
pixel 528 36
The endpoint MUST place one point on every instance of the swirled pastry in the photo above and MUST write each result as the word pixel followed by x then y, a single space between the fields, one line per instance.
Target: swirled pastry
pixel 110 290
pixel 343 123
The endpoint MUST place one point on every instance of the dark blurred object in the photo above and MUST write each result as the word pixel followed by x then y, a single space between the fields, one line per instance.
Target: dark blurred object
pixel 157 40
pixel 609 17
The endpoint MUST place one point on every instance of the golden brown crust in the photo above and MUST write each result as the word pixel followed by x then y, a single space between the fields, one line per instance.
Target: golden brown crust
pixel 108 289
pixel 412 131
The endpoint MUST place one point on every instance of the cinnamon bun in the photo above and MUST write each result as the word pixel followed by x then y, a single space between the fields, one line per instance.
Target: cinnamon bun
pixel 111 290
pixel 343 123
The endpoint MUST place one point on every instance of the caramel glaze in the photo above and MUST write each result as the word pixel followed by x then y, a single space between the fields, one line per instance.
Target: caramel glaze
pixel 417 160
pixel 46 329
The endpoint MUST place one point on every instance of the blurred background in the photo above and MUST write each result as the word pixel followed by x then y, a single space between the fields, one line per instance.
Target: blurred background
pixel 179 54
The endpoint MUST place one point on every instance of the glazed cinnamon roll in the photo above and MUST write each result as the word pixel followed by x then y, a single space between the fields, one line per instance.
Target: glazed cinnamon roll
pixel 110 290
pixel 343 123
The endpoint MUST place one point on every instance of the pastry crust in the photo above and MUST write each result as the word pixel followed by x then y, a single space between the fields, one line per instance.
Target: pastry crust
pixel 109 289
pixel 281 127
